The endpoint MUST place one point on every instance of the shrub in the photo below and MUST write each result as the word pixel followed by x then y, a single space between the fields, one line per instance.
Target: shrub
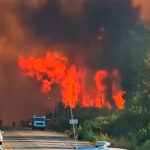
pixel 101 137
pixel 143 135
pixel 145 146
pixel 121 143
pixel 100 124
pixel 63 125
pixel 85 134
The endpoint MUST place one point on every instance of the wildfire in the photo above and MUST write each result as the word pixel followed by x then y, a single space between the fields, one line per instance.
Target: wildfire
pixel 54 69
pixel 144 9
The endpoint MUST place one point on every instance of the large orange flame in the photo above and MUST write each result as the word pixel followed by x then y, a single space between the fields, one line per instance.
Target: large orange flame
pixel 71 87
pixel 144 9
pixel 49 70
pixel 99 78
pixel 54 69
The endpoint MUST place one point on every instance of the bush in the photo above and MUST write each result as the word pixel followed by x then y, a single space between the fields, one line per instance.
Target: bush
pixel 63 125
pixel 100 124
pixel 121 143
pixel 145 146
pixel 101 137
pixel 85 134
pixel 143 135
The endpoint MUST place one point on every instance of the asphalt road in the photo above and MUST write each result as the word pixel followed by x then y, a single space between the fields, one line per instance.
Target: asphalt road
pixel 37 140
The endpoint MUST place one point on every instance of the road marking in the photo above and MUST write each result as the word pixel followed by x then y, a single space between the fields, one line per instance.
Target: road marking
pixel 37 143
pixel 29 139
pixel 4 145
pixel 7 145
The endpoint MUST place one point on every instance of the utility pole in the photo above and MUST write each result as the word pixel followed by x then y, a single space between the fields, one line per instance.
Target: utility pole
pixel 74 130
pixel 53 108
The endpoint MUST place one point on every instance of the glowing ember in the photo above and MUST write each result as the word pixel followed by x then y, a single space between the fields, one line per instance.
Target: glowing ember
pixel 101 33
pixel 101 29
pixel 75 88
pixel 100 37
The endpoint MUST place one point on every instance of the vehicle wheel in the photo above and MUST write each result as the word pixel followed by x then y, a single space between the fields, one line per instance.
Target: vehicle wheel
pixel 43 129
pixel 33 128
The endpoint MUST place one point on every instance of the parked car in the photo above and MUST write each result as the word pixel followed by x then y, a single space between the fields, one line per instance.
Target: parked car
pixel 30 123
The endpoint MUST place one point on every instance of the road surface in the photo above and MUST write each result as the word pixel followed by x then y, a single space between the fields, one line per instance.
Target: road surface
pixel 38 140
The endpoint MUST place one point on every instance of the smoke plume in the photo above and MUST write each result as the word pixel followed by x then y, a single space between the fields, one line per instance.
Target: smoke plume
pixel 87 32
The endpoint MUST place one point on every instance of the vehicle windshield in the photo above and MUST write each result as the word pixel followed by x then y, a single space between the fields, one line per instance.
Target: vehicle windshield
pixel 39 119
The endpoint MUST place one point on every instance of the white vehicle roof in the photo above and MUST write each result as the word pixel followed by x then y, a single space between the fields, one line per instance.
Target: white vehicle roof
pixel 39 116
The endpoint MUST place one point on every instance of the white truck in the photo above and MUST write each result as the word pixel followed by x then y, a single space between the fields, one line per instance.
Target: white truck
pixel 39 122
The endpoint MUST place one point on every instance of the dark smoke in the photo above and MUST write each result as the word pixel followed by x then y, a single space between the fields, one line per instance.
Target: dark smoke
pixel 31 27
pixel 51 26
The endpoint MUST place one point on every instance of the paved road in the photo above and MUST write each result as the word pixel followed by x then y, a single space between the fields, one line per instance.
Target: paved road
pixel 37 140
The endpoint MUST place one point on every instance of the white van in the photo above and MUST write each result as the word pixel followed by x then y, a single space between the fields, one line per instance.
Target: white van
pixel 39 122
